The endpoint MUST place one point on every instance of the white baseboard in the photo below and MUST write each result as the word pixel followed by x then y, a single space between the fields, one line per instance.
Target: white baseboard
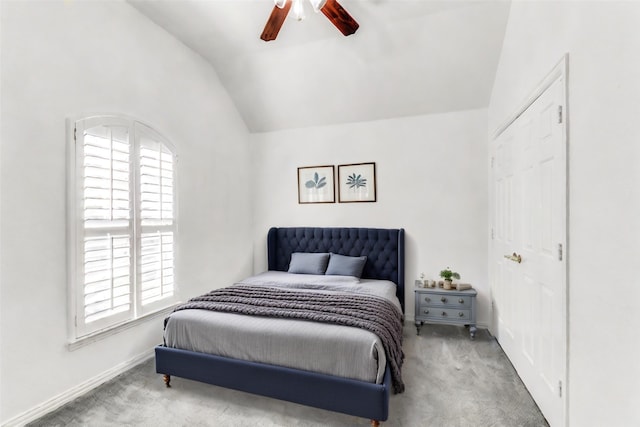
pixel 75 392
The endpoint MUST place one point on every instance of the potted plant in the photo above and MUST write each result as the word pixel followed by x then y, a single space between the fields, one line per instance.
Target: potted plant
pixel 447 274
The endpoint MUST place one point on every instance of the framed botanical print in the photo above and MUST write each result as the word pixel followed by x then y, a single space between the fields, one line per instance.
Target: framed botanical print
pixel 357 182
pixel 316 184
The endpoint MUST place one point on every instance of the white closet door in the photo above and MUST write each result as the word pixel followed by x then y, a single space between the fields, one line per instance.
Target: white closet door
pixel 529 197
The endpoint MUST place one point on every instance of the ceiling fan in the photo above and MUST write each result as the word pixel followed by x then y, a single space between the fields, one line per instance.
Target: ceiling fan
pixel 330 8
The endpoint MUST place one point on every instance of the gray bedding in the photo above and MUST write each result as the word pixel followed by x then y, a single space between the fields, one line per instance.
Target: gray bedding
pixel 331 349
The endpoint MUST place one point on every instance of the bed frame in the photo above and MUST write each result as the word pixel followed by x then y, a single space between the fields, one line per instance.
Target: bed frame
pixel 384 249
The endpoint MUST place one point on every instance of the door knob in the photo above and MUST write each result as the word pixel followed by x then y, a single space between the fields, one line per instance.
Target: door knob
pixel 514 257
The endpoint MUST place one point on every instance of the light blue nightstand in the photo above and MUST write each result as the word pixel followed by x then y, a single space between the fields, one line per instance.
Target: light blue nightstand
pixel 436 305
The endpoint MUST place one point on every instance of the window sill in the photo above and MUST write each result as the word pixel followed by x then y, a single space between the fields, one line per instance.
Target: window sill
pixel 104 333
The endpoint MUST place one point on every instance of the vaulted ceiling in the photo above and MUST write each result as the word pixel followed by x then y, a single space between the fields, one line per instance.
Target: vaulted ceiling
pixel 409 57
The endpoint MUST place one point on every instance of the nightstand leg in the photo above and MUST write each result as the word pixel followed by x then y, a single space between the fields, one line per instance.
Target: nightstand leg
pixel 418 325
pixel 472 331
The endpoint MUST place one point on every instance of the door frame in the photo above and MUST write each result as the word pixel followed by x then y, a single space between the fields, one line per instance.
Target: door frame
pixel 559 71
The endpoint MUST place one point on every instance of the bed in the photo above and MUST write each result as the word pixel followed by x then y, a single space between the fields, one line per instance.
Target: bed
pixel 384 249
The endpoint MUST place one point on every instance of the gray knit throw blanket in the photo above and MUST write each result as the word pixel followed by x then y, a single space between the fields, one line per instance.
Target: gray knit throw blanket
pixel 368 312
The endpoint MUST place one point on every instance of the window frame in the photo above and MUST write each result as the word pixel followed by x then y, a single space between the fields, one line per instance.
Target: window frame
pixel 136 129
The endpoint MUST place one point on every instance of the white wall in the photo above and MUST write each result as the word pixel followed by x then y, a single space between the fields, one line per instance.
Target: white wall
pixel 604 204
pixel 1 127
pixel 62 58
pixel 431 180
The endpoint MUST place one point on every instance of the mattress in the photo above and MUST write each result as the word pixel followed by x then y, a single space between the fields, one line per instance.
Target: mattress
pixel 343 351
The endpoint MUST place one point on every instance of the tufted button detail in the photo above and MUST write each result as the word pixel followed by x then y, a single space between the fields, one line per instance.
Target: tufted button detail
pixel 379 245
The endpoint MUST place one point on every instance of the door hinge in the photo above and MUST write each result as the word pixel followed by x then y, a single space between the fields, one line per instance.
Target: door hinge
pixel 75 130
pixel 559 388
pixel 559 113
pixel 559 251
pixel 75 321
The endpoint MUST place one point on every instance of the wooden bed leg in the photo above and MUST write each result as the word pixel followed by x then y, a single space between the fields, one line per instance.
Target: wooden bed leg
pixel 375 423
pixel 167 379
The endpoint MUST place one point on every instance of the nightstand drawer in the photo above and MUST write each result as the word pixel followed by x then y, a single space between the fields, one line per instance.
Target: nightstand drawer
pixel 435 300
pixel 444 313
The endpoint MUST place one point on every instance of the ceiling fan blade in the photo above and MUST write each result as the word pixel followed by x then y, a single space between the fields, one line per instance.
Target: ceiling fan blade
pixel 278 15
pixel 340 17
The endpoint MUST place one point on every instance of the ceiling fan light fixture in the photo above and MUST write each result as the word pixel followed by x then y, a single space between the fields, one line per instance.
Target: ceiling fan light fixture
pixel 298 10
pixel 317 4
pixel 334 12
pixel 280 3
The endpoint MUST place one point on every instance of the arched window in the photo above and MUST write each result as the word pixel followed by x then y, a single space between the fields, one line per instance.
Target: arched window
pixel 122 222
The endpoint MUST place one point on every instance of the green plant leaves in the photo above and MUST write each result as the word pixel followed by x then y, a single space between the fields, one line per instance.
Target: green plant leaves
pixel 316 182
pixel 447 274
pixel 356 181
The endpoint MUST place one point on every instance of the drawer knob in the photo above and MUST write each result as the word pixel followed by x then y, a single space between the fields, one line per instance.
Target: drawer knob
pixel 427 299
pixel 426 312
pixel 461 314
pixel 444 313
pixel 461 301
pixel 443 299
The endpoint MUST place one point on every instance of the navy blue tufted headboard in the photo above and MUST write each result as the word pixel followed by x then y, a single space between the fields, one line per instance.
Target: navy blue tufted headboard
pixel 383 247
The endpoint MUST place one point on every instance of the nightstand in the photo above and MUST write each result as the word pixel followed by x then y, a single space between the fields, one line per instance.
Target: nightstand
pixel 436 305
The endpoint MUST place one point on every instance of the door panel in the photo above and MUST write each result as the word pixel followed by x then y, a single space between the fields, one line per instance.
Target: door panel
pixel 529 218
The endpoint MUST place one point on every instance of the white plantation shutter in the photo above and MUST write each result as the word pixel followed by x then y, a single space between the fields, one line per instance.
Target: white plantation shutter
pixel 106 228
pixel 106 177
pixel 156 268
pixel 107 286
pixel 156 183
pixel 124 222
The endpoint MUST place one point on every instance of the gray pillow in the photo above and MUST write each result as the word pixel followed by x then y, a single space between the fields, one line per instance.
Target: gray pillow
pixel 308 263
pixel 341 265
